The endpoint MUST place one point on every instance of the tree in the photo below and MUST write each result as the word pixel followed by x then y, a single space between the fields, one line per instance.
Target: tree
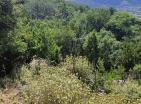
pixel 39 40
pixel 83 23
pixel 39 9
pixel 138 50
pixel 128 55
pixel 91 49
pixel 49 9
pixel 79 24
pixel 7 20
pixel 64 40
pixel 109 49
pixel 120 24
pixel 92 53
pixel 97 18
pixel 7 23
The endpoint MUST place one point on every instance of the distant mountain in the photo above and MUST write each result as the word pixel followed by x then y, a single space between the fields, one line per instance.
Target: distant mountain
pixel 133 6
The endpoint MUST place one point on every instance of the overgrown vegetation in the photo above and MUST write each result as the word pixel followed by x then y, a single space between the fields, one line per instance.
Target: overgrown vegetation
pixel 87 51
pixel 50 88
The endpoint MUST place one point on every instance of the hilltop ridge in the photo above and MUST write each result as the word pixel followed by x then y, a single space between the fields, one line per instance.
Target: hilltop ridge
pixel 133 6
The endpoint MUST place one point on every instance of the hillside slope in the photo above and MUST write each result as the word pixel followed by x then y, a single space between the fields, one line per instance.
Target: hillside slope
pixel 133 6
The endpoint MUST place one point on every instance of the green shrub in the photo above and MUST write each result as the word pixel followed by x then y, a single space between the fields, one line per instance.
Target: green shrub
pixel 114 74
pixel 80 67
pixel 137 67
pixel 56 86
pixel 129 88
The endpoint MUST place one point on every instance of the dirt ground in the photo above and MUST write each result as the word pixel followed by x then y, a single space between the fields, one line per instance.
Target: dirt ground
pixel 10 96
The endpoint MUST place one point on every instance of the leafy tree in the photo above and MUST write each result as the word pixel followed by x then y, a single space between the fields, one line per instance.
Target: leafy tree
pixel 97 18
pixel 7 23
pixel 49 28
pixel 91 48
pixel 39 9
pixel 40 42
pixel 138 50
pixel 92 53
pixel 20 1
pixel 64 40
pixel 120 24
pixel 79 24
pixel 50 9
pixel 83 23
pixel 109 49
pixel 128 55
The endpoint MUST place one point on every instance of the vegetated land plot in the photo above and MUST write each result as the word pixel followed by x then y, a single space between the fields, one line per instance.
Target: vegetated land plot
pixel 56 85
pixel 87 50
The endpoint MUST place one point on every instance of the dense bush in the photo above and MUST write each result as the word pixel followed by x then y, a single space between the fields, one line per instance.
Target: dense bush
pixel 130 88
pixel 80 67
pixel 53 89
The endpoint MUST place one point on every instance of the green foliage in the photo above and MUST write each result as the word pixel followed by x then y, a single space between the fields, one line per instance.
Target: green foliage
pixel 63 38
pixel 82 68
pixel 50 9
pixel 39 9
pixel 71 90
pixel 120 24
pixel 130 88
pixel 6 20
pixel 42 43
pixel 36 39
pixel 83 23
pixel 138 49
pixel 79 24
pixel 91 48
pixel 7 23
pixel 109 49
pixel 137 67
pixel 98 18
pixel 110 40
pixel 128 55
pixel 53 89
pixel 114 74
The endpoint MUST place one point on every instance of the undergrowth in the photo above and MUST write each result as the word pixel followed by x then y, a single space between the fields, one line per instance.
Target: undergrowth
pixel 58 85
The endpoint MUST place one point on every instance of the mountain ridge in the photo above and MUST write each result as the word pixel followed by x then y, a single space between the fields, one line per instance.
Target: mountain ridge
pixel 133 6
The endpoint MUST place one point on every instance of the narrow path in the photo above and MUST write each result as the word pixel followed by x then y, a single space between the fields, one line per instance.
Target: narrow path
pixel 9 96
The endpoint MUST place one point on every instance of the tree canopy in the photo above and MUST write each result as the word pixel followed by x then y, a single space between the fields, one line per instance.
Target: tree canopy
pixel 47 28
